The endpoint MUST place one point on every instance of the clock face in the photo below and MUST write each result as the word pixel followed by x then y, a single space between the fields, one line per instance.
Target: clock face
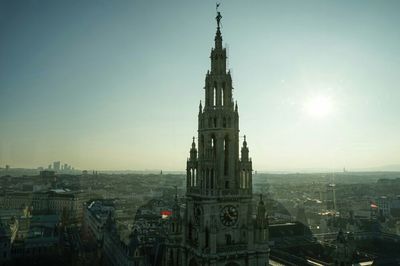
pixel 229 215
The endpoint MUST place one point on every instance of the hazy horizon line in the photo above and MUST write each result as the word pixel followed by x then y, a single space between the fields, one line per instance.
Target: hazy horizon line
pixel 381 168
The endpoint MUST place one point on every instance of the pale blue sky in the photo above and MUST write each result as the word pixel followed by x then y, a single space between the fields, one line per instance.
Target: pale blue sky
pixel 116 84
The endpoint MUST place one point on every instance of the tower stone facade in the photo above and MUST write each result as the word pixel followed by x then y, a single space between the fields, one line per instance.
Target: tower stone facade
pixel 219 226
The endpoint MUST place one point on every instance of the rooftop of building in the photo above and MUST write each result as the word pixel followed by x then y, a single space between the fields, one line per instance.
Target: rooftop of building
pixel 100 209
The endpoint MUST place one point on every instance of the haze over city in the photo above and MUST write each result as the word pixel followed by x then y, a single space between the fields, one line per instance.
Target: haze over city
pixel 116 85
pixel 188 133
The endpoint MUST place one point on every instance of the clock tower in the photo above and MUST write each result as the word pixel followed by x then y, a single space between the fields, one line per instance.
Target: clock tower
pixel 220 226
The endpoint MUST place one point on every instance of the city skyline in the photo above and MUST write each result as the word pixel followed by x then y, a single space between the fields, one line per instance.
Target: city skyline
pixel 116 85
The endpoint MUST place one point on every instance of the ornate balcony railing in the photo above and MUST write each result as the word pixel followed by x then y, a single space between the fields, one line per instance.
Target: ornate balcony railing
pixel 220 192
pixel 232 248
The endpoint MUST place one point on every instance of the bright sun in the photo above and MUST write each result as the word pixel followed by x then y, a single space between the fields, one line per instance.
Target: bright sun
pixel 319 106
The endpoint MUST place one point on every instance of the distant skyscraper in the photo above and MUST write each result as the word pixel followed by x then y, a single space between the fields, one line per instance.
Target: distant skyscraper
pixel 331 197
pixel 56 166
pixel 218 226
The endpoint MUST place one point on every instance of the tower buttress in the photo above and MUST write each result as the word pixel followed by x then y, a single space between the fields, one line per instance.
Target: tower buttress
pixel 245 168
pixel 261 232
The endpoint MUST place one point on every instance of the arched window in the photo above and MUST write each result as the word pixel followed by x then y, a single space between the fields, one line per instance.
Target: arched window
pixel 241 179
pixel 202 143
pixel 222 95
pixel 214 145
pixel 224 122
pixel 226 156
pixel 212 179
pixel 207 236
pixel 171 258
pixel 215 94
pixel 208 178
pixel 191 177
pixel 244 178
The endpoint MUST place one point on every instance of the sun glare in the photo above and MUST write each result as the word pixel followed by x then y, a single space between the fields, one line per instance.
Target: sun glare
pixel 319 106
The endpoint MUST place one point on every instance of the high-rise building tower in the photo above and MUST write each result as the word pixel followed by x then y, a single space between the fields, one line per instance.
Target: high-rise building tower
pixel 219 225
pixel 56 166
pixel 331 197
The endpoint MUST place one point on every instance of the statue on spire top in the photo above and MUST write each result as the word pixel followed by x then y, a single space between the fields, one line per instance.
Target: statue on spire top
pixel 218 17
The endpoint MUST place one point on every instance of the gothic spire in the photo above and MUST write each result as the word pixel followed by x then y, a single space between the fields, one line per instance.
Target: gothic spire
pixel 245 151
pixel 193 143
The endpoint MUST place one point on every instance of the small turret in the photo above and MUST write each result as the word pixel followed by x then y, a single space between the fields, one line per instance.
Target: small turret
pixel 174 239
pixel 200 108
pixel 260 212
pixel 245 151
pixel 193 151
pixel 175 219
